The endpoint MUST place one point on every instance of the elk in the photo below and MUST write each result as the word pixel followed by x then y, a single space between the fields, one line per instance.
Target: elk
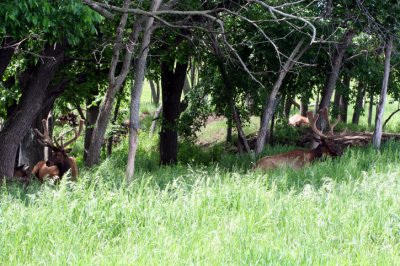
pixel 59 162
pixel 298 120
pixel 296 159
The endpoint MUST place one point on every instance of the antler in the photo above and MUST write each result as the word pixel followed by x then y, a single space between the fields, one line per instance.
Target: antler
pixel 77 134
pixel 45 139
pixel 313 122
pixel 324 113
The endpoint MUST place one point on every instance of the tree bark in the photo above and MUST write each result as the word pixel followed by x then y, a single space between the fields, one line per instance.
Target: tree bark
pixel 154 122
pixel 370 109
pixel 229 130
pixel 29 106
pixel 330 83
pixel 358 106
pixel 113 122
pixel 268 109
pixel 155 96
pixel 115 83
pixel 288 106
pixel 303 107
pixel 377 136
pixel 172 83
pixel 136 92
pixel 91 116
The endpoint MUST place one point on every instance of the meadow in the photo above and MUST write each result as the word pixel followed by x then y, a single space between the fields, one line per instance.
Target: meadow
pixel 210 209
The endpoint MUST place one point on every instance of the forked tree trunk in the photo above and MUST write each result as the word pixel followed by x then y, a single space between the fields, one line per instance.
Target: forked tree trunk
pixel 115 83
pixel 358 106
pixel 30 151
pixel 172 82
pixel 331 80
pixel 377 136
pixel 268 109
pixel 228 86
pixel 29 106
pixel 136 92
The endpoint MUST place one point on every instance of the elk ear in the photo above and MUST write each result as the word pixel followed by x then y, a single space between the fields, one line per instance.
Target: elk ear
pixel 68 150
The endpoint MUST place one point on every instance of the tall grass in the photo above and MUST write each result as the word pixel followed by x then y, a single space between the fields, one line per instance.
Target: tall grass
pixel 340 212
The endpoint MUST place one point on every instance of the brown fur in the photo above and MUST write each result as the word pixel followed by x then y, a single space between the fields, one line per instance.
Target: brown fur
pixel 296 159
pixel 56 167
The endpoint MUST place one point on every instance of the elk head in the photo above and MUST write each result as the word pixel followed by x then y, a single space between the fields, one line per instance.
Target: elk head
pixel 326 144
pixel 59 156
pixel 299 158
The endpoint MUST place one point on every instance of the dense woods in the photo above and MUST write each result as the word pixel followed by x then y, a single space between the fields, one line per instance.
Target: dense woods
pixel 235 59
pixel 136 132
pixel 232 59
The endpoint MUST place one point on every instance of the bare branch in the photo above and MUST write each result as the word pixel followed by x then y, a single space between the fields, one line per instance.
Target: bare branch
pixel 102 11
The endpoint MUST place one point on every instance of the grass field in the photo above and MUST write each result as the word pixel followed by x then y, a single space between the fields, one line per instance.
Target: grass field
pixel 210 210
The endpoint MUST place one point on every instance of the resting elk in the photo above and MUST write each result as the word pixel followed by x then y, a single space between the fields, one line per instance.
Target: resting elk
pixel 59 162
pixel 298 120
pixel 296 159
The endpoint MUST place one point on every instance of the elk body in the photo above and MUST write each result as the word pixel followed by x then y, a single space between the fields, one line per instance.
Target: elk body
pixel 59 162
pixel 296 159
pixel 298 120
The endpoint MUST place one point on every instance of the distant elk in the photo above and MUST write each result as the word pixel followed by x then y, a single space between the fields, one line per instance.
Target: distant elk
pixel 59 162
pixel 298 120
pixel 296 159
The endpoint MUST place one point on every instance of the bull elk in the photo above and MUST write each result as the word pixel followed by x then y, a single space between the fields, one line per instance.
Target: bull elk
pixel 296 159
pixel 59 162
pixel 298 120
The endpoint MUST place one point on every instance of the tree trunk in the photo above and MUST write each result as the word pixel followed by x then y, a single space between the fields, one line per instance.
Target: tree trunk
pixel 370 109
pixel 337 99
pixel 91 117
pixel 344 103
pixel 115 83
pixel 229 130
pixel 288 106
pixel 303 106
pixel 136 92
pixel 155 93
pixel 377 136
pixel 154 122
pixel 358 106
pixel 268 109
pixel 229 89
pixel 113 122
pixel 336 64
pixel 29 106
pixel 172 86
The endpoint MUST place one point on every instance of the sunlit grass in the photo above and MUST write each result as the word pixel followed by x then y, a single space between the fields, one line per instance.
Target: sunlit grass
pixel 342 212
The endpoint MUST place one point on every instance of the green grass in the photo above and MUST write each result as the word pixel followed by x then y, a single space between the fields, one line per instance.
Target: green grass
pixel 334 212
pixel 210 209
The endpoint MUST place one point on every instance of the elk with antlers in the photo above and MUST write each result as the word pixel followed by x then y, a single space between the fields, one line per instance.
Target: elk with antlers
pixel 299 158
pixel 59 162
